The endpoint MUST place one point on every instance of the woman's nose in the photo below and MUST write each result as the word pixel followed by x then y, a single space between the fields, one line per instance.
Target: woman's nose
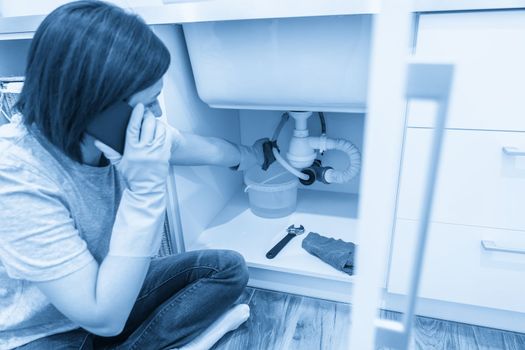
pixel 155 109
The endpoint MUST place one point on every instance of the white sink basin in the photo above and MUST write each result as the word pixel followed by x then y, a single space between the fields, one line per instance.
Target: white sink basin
pixel 308 63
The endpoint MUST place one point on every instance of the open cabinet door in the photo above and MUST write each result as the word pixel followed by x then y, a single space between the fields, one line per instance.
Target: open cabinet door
pixel 384 129
pixel 394 79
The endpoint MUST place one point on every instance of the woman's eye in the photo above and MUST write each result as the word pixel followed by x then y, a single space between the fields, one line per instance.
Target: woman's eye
pixel 151 104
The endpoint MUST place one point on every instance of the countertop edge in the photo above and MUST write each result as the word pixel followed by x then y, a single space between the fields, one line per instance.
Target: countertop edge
pixel 204 11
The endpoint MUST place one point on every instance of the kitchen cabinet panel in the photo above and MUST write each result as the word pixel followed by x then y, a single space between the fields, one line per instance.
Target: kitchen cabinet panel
pixel 459 269
pixel 488 53
pixel 478 183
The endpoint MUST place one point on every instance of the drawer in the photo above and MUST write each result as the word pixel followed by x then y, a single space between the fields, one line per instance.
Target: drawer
pixel 458 269
pixel 478 184
pixel 489 78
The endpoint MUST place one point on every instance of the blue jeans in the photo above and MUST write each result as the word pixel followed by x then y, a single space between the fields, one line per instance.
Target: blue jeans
pixel 181 296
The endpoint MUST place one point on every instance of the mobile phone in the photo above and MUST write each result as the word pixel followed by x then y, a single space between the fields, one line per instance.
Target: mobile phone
pixel 111 124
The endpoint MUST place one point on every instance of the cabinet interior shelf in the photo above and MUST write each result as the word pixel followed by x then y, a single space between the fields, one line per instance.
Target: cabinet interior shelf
pixel 330 214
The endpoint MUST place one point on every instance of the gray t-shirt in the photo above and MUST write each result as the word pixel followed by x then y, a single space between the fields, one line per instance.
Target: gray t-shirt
pixel 56 216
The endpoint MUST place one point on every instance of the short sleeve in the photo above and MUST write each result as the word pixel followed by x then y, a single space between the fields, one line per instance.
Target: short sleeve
pixel 38 238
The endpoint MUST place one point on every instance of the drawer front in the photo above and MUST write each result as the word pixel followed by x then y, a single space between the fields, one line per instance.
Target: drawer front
pixel 457 268
pixel 489 78
pixel 478 184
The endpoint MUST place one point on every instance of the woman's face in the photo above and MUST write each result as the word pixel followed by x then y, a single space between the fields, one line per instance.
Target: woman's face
pixel 148 97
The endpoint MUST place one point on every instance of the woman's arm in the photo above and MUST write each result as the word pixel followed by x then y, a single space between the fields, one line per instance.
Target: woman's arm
pixel 100 298
pixel 39 243
pixel 192 149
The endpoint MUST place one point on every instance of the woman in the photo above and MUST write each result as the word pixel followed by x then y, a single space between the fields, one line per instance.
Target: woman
pixel 77 233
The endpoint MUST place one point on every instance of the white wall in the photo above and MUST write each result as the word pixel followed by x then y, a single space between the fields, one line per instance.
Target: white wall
pixel 256 124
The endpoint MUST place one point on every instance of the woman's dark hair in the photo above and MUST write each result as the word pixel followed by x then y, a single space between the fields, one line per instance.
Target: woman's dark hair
pixel 85 56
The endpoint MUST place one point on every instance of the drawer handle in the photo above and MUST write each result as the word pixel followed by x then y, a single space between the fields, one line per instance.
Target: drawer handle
pixel 514 151
pixel 491 245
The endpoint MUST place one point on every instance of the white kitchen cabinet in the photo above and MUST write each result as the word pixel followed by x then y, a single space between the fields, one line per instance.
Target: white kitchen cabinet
pixel 479 184
pixel 212 207
pixel 458 268
pixel 473 257
pixel 487 51
pixel 12 8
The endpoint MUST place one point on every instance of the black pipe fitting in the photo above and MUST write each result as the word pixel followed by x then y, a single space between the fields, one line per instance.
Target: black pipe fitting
pixel 315 172
pixel 311 176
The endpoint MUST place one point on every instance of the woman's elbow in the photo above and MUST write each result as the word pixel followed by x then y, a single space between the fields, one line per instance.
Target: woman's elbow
pixel 103 324
pixel 109 329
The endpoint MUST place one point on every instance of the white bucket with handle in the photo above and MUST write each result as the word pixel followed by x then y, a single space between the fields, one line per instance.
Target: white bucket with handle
pixel 272 193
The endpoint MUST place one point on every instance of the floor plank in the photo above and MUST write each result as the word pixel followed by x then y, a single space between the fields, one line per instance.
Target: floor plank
pixel 286 321
pixel 318 325
pixel 281 321
pixel 434 334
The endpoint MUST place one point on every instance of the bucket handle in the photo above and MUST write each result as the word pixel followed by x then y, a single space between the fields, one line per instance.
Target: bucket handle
pixel 266 181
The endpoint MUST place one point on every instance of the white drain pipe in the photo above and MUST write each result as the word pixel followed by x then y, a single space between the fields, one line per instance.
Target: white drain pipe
pixel 302 152
pixel 338 176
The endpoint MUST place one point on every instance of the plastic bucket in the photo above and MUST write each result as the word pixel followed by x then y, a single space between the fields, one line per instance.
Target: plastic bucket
pixel 272 193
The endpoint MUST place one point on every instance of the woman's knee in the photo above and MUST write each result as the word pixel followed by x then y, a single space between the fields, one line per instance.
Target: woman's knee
pixel 235 266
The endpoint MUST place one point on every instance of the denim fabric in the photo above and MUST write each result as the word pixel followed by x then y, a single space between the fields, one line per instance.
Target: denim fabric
pixel 181 296
pixel 335 252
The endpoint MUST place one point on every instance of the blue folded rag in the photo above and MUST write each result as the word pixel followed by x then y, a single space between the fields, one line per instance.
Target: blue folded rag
pixel 335 252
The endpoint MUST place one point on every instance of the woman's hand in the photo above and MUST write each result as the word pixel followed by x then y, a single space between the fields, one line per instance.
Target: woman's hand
pixel 259 154
pixel 145 162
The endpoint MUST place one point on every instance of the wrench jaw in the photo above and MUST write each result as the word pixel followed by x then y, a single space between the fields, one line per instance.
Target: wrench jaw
pixel 295 230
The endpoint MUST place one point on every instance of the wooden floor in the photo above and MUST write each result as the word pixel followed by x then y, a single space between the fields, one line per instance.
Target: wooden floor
pixel 282 321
